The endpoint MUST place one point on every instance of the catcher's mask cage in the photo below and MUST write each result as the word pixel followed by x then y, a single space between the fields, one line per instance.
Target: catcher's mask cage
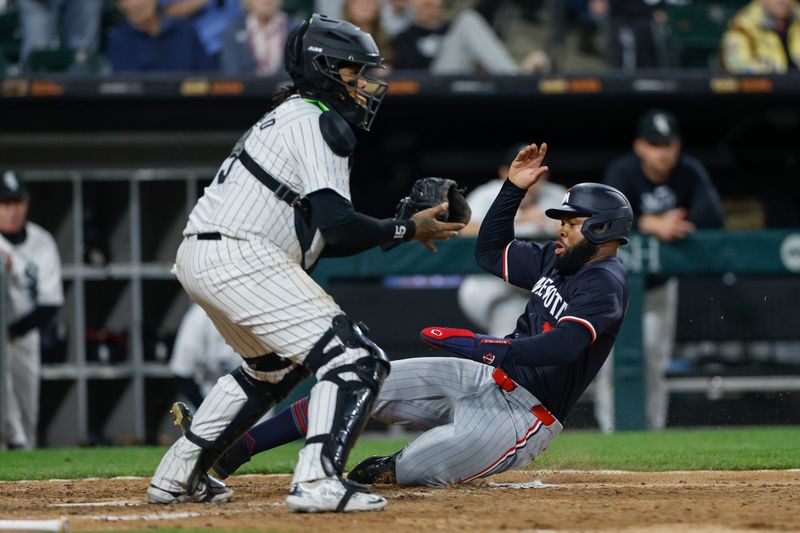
pixel 314 53
pixel 610 214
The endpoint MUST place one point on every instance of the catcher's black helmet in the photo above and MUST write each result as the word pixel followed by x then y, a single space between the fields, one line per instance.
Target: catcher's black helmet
pixel 610 214
pixel 316 50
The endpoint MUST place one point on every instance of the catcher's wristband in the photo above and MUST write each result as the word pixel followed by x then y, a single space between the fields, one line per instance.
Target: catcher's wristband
pixel 404 232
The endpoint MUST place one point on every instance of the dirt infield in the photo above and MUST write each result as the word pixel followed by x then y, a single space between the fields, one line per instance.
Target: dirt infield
pixel 524 500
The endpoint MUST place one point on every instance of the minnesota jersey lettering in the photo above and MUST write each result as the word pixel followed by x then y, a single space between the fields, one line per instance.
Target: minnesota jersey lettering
pixel 551 299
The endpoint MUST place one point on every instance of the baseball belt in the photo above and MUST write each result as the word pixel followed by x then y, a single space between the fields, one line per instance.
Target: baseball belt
pixel 505 382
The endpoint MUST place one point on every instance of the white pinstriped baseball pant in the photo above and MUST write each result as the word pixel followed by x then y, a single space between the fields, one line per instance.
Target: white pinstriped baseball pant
pixel 472 427
pixel 261 301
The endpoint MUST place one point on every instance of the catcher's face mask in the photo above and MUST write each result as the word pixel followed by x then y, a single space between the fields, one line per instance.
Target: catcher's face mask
pixel 361 93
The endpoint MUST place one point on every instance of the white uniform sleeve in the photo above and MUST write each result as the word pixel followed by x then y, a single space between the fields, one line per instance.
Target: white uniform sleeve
pixel 318 166
pixel 481 199
pixel 50 290
pixel 189 343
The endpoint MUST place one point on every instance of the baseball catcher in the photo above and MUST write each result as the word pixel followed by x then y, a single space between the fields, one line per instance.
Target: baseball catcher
pixel 278 204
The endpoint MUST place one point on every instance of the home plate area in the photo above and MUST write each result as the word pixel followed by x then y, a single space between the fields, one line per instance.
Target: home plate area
pixel 527 500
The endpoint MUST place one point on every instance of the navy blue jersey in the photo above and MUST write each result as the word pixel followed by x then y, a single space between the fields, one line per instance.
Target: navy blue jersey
pixel 570 323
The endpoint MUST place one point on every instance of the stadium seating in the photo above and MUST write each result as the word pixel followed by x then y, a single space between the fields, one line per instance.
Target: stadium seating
pixel 62 60
pixel 10 36
pixel 695 31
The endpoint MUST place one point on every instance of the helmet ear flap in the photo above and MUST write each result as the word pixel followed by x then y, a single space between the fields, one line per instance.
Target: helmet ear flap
pixel 293 50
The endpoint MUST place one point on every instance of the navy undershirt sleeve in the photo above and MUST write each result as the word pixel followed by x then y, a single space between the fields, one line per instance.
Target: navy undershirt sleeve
pixel 348 232
pixel 562 345
pixel 496 250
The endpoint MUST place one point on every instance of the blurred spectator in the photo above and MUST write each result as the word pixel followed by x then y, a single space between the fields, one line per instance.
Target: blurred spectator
pixel 35 294
pixel 211 18
pixel 366 15
pixel 254 43
pixel 148 42
pixel 200 356
pixel 395 15
pixel 671 195
pixel 636 31
pixel 51 24
pixel 486 300
pixel 464 45
pixel 764 37
pixel 586 23
pixel 331 8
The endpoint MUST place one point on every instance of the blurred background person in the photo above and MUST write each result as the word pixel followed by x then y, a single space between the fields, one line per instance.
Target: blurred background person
pixel 395 15
pixel 51 24
pixel 366 14
pixel 200 356
pixel 211 19
pixel 34 294
pixel 671 195
pixel 467 44
pixel 254 43
pixel 486 300
pixel 150 42
pixel 636 31
pixel 763 37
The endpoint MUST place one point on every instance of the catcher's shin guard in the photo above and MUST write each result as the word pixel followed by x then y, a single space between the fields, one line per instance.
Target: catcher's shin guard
pixel 261 396
pixel 355 378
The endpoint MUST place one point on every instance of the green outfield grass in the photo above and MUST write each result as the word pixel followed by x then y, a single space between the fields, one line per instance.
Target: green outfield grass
pixel 701 449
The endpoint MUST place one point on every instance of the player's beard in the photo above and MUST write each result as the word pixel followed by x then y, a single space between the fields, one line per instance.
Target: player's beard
pixel 575 257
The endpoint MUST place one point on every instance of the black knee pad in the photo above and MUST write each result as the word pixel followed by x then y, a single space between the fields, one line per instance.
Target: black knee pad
pixel 261 396
pixel 355 397
pixel 351 335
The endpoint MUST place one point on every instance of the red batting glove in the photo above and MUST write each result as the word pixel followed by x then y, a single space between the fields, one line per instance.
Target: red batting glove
pixel 467 344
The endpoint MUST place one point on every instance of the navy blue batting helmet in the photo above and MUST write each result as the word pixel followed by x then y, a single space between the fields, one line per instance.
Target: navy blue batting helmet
pixel 610 214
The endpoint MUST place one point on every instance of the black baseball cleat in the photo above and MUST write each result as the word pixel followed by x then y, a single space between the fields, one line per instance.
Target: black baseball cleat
pixel 376 469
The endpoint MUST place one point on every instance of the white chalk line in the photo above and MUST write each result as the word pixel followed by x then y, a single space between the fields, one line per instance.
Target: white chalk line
pixel 110 503
pixel 150 517
pixel 535 484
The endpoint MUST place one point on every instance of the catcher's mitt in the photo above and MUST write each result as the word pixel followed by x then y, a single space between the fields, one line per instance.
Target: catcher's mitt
pixel 428 192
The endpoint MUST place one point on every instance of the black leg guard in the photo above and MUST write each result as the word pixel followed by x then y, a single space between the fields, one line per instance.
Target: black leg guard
pixel 355 398
pixel 261 396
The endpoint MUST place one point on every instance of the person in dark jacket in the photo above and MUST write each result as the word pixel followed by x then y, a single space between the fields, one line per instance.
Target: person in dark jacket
pixel 148 42
pixel 672 195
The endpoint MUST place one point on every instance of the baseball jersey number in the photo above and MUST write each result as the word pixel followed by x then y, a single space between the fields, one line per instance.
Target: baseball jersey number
pixel 237 149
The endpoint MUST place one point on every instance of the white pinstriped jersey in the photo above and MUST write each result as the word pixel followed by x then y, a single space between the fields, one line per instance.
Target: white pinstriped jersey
pixel 287 143
pixel 35 277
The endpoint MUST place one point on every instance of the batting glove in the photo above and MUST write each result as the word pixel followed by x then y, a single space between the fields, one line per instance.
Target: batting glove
pixel 467 344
